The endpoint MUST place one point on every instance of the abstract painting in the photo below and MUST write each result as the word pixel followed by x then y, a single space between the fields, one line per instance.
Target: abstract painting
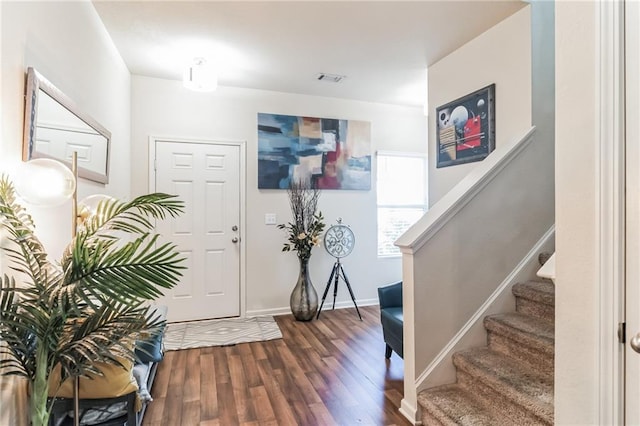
pixel 330 153
pixel 465 128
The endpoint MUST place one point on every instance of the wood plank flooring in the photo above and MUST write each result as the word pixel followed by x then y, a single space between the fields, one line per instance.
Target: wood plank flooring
pixel 330 371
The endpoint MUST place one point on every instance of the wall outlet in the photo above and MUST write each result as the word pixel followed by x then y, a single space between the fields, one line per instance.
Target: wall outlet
pixel 269 218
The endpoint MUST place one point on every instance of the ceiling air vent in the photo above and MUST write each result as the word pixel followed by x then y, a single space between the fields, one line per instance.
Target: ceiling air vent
pixel 331 78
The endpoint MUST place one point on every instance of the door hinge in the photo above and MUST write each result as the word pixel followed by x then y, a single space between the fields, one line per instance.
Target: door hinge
pixel 622 332
pixel 155 164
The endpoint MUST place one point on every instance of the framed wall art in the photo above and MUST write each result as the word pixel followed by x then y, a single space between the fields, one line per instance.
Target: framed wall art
pixel 465 128
pixel 329 153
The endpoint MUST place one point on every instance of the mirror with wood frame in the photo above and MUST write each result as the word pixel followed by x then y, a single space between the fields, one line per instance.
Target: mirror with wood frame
pixel 54 127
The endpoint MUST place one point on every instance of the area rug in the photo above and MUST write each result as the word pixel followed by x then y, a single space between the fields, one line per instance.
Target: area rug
pixel 222 332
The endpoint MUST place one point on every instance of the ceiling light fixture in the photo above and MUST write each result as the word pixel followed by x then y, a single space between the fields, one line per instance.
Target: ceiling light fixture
pixel 200 76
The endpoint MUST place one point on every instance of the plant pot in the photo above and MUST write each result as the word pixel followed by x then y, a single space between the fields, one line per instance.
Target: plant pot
pixel 304 299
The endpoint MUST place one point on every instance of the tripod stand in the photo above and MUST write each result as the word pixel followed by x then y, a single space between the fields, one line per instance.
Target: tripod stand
pixel 336 273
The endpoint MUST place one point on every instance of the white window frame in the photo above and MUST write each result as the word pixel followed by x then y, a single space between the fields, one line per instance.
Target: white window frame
pixel 424 206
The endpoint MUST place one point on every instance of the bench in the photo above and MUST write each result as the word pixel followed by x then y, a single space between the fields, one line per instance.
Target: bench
pixel 119 410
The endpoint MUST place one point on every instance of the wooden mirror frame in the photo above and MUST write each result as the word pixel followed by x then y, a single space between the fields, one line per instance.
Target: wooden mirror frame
pixel 84 133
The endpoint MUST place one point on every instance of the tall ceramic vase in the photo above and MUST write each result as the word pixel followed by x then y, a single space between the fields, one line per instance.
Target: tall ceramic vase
pixel 304 299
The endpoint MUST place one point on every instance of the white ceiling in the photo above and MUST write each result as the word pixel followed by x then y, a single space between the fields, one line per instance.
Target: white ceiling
pixel 383 48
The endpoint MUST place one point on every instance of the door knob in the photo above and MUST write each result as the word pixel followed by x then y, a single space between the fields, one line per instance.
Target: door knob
pixel 635 343
pixel 235 240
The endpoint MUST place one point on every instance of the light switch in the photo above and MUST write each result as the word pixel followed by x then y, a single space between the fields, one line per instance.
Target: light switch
pixel 270 219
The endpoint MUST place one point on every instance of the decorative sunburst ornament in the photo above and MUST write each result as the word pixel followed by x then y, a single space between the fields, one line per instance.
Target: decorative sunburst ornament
pixel 339 240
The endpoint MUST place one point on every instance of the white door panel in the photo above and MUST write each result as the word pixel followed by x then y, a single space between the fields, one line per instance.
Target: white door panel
pixel 207 178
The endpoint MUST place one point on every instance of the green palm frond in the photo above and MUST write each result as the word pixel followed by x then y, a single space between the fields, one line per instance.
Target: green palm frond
pixel 20 227
pixel 15 332
pixel 132 217
pixel 93 306
pixel 106 335
pixel 137 270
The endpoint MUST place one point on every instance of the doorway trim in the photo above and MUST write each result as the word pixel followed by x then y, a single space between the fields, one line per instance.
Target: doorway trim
pixel 242 146
pixel 611 212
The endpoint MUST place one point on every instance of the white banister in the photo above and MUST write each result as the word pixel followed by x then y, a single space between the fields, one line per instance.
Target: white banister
pixel 463 254
pixel 445 209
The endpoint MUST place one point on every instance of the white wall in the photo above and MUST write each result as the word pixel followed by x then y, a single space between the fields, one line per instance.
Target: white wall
pixel 577 256
pixel 68 44
pixel 165 108
pixel 502 55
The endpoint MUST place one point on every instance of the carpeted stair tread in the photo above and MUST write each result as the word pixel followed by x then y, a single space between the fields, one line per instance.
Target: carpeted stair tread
pixel 453 405
pixel 537 291
pixel 524 330
pixel 509 382
pixel 516 381
pixel 536 299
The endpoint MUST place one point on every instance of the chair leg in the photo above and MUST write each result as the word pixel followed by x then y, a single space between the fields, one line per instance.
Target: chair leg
pixel 387 352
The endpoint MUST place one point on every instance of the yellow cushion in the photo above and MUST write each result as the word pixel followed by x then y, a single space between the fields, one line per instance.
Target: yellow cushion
pixel 115 381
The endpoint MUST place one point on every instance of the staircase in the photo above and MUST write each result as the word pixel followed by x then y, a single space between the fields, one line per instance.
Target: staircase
pixel 510 381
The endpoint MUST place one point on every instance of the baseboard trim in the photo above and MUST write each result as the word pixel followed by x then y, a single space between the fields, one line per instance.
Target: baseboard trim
pixel 327 307
pixel 410 412
pixel 440 363
pixel 272 311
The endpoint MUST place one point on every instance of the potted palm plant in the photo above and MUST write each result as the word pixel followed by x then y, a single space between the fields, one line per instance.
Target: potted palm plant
pixel 89 308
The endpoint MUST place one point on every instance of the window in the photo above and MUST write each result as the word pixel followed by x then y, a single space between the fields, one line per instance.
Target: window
pixel 402 197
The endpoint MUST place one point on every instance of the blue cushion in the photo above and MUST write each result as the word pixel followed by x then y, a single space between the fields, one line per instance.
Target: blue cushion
pixel 149 349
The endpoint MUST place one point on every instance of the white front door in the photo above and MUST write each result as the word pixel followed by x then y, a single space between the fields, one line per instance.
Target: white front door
pixel 206 176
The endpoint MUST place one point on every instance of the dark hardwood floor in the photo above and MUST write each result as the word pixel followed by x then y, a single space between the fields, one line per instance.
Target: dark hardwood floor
pixel 330 371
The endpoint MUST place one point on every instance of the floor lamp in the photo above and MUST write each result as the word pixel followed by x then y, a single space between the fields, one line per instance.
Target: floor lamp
pixel 49 183
pixel 74 230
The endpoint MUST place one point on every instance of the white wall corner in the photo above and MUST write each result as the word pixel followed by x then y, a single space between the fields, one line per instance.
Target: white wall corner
pixel 577 208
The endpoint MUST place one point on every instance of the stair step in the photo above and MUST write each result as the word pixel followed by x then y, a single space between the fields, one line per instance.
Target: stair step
pixel 542 291
pixel 523 394
pixel 451 405
pixel 524 338
pixel 536 298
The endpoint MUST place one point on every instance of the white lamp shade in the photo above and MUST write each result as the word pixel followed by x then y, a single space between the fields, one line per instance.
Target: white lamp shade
pixel 88 207
pixel 45 182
